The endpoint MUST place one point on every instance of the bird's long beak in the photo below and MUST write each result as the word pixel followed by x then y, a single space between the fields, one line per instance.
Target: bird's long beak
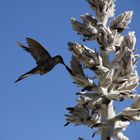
pixel 68 69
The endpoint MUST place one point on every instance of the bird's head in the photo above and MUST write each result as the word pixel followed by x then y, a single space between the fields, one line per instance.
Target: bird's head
pixel 59 59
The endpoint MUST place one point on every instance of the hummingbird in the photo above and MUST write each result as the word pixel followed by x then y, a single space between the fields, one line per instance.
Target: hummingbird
pixel 45 62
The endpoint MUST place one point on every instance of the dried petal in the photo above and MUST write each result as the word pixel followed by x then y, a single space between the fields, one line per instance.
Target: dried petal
pixel 130 41
pixel 121 22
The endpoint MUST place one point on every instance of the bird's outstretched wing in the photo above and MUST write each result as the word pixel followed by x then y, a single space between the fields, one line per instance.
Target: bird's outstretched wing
pixel 39 53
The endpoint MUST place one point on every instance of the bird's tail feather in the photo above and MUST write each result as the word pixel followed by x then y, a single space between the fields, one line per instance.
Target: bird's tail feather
pixel 33 71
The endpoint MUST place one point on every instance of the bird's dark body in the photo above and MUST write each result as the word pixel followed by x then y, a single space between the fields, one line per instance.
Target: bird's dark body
pixel 43 69
pixel 44 61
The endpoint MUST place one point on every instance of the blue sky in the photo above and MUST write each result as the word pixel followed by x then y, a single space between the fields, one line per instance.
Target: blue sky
pixel 34 108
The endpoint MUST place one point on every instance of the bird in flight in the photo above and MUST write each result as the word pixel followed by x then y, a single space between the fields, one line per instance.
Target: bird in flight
pixel 45 62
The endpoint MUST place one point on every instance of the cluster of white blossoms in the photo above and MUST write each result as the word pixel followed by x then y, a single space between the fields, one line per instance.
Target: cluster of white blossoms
pixel 112 81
